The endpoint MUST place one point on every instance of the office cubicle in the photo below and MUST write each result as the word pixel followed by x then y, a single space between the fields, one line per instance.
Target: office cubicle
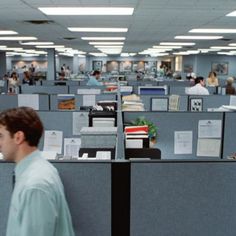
pixel 11 101
pixel 88 192
pixel 60 82
pixel 183 198
pixel 169 122
pixel 73 89
pixel 44 89
pixel 212 101
pixel 82 100
pixel 229 134
pixel 146 100
pixel 180 90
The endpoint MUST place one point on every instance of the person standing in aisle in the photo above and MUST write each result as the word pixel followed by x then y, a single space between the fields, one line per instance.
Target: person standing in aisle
pixel 38 205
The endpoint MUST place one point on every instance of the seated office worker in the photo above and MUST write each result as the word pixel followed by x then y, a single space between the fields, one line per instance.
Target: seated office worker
pixel 198 88
pixel 38 206
pixel 93 80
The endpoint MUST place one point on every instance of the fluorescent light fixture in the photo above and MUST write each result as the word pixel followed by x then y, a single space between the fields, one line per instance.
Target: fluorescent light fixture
pixel 109 46
pixel 106 43
pixel 198 37
pixel 7 32
pixel 103 38
pixel 233 13
pixel 81 55
pixel 181 53
pixel 232 44
pixel 17 38
pixel 3 46
pixel 124 54
pixel 37 43
pixel 98 54
pixel 87 10
pixel 10 49
pixel 223 47
pixel 167 47
pixel 193 51
pixel 132 54
pixel 159 54
pixel 176 44
pixel 225 53
pixel 83 29
pixel 215 31
pixel 50 46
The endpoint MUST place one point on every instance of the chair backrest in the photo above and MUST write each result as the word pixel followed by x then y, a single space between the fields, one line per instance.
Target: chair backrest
pixel 151 153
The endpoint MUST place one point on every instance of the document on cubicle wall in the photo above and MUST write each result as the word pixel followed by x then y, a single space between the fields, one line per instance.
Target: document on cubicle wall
pixel 232 100
pixel 29 100
pixel 80 120
pixel 209 128
pixel 208 147
pixel 53 141
pixel 89 100
pixel 72 146
pixel 183 143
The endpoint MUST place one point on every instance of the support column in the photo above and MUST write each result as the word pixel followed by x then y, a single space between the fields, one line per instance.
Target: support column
pixel 51 72
pixel 3 64
pixel 75 64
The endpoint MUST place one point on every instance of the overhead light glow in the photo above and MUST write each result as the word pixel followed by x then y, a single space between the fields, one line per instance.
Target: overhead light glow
pixel 198 37
pixel 223 47
pixel 50 46
pixel 106 43
pixel 233 13
pixel 7 32
pixel 83 29
pixel 167 47
pixel 176 44
pixel 17 38
pixel 37 43
pixel 87 10
pixel 215 31
pixel 98 54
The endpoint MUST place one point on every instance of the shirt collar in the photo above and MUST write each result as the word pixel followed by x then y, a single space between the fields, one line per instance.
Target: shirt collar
pixel 23 164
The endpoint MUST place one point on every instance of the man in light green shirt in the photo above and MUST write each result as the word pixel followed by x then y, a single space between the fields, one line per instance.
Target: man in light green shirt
pixel 38 205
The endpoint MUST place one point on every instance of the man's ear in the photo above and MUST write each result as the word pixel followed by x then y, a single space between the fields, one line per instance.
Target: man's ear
pixel 19 137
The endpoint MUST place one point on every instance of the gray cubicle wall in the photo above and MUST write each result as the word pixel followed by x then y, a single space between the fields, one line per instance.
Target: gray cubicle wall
pixel 6 173
pixel 146 99
pixel 44 89
pixel 212 101
pixel 57 120
pixel 88 191
pixel 183 198
pixel 55 82
pixel 79 101
pixel 229 134
pixel 169 122
pixel 73 89
pixel 174 83
pixel 11 101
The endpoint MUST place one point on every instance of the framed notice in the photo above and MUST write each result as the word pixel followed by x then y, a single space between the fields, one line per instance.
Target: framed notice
pixel 159 104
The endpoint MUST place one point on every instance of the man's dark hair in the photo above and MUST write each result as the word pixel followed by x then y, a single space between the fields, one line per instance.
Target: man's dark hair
pixel 96 72
pixel 199 79
pixel 23 119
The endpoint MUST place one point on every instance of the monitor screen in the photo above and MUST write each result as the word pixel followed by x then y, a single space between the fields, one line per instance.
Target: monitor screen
pixel 152 90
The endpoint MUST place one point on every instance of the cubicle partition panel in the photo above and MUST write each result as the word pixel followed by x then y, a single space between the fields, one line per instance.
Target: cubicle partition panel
pixel 82 100
pixel 174 83
pixel 58 82
pixel 212 101
pixel 6 183
pixel 88 192
pixel 183 198
pixel 229 134
pixel 146 99
pixel 168 123
pixel 73 89
pixel 59 121
pixel 11 101
pixel 44 89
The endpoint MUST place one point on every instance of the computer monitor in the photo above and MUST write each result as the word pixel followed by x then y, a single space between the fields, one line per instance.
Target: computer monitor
pixel 153 90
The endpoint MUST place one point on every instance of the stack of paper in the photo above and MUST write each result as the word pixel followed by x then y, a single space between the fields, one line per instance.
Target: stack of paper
pixel 136 136
pixel 132 103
